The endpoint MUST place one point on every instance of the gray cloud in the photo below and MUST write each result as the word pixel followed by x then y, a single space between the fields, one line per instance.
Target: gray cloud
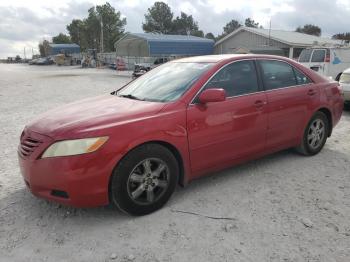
pixel 329 15
pixel 20 25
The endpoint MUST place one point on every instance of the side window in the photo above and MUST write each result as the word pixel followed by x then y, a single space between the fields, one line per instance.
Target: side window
pixel 238 78
pixel 301 78
pixel 305 56
pixel 318 55
pixel 277 74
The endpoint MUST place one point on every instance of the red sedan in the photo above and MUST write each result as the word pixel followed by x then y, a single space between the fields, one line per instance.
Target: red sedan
pixel 176 123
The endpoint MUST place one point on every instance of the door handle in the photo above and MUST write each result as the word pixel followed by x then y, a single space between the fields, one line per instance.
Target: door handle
pixel 311 92
pixel 259 103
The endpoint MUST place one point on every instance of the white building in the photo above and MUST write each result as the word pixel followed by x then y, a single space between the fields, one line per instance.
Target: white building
pixel 265 41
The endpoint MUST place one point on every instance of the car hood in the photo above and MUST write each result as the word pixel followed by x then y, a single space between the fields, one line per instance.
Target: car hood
pixel 91 115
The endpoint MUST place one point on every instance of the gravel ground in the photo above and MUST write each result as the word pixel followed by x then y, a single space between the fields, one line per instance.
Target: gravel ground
pixel 284 207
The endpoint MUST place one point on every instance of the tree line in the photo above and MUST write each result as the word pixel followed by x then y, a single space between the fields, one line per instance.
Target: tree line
pixel 159 18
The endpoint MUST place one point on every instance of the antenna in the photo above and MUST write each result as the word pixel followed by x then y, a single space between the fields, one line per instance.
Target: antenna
pixel 270 33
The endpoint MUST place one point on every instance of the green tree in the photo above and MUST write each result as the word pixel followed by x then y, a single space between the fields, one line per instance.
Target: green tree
pixel 309 29
pixel 113 25
pixel 61 39
pixel 44 48
pixel 87 32
pixel 210 36
pixel 78 33
pixel 251 23
pixel 158 19
pixel 198 33
pixel 185 25
pixel 230 27
pixel 93 29
pixel 342 36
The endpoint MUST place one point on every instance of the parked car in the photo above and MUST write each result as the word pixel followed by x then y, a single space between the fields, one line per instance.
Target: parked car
pixel 42 61
pixel 178 122
pixel 344 82
pixel 141 68
pixel 45 61
pixel 329 62
pixel 33 61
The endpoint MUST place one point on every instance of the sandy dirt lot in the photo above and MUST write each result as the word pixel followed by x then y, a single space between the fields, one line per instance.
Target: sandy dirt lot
pixel 284 207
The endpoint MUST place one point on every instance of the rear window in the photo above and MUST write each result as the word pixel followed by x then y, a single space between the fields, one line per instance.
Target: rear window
pixel 344 78
pixel 318 55
pixel 305 56
pixel 277 74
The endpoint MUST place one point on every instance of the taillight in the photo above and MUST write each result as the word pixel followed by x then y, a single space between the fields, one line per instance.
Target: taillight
pixel 327 58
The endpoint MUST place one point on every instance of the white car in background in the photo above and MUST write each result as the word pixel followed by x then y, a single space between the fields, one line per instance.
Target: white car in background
pixel 344 82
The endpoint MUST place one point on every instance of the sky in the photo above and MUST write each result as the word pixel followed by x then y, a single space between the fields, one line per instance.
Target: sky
pixel 23 23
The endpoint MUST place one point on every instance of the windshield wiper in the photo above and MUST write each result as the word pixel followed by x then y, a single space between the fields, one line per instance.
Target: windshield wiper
pixel 131 97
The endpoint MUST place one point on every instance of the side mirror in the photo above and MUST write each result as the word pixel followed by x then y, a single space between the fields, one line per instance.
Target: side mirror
pixel 212 95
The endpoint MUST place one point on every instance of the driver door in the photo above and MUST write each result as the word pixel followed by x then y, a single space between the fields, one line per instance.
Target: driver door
pixel 220 132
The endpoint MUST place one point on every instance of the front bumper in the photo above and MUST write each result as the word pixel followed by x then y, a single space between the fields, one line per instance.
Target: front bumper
pixel 346 95
pixel 79 181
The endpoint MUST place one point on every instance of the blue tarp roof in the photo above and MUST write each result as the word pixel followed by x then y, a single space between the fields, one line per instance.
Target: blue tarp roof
pixel 159 44
pixel 64 48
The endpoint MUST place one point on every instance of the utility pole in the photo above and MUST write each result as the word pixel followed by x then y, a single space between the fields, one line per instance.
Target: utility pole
pixel 270 33
pixel 25 58
pixel 101 50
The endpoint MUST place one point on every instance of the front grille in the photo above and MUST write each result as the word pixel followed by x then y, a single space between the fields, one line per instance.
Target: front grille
pixel 28 146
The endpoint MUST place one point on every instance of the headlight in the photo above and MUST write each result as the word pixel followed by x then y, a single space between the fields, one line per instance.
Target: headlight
pixel 74 147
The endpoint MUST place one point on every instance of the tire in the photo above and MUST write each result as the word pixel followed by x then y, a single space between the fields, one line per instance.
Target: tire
pixel 313 141
pixel 150 167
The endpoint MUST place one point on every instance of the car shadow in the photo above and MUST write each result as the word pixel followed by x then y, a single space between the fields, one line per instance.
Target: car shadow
pixel 21 203
pixel 250 172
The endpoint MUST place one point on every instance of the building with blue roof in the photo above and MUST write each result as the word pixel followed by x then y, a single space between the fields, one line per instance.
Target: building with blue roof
pixel 155 45
pixel 55 49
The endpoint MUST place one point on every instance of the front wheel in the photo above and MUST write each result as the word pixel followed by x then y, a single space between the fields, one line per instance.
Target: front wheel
pixel 315 135
pixel 144 180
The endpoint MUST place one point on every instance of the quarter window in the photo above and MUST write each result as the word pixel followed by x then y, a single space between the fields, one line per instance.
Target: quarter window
pixel 318 56
pixel 305 56
pixel 238 78
pixel 277 74
pixel 301 78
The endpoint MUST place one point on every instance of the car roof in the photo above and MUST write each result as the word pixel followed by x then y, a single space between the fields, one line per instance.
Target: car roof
pixel 347 71
pixel 223 58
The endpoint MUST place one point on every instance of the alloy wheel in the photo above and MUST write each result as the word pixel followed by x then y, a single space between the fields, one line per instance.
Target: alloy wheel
pixel 316 133
pixel 148 181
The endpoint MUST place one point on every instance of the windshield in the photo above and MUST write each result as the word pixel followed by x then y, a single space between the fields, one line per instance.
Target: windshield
pixel 165 83
pixel 318 55
pixel 305 56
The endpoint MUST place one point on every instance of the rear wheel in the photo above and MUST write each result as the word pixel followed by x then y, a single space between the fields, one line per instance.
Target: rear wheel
pixel 144 180
pixel 315 135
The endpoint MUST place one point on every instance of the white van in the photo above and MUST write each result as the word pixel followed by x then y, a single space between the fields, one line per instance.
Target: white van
pixel 327 61
pixel 344 82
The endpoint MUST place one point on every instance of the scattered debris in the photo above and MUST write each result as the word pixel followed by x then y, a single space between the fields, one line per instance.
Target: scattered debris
pixel 229 227
pixel 113 256
pixel 197 214
pixel 306 222
pixel 333 226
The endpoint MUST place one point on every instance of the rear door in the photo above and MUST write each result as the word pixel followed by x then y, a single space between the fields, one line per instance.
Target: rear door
pixel 221 132
pixel 317 59
pixel 289 95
